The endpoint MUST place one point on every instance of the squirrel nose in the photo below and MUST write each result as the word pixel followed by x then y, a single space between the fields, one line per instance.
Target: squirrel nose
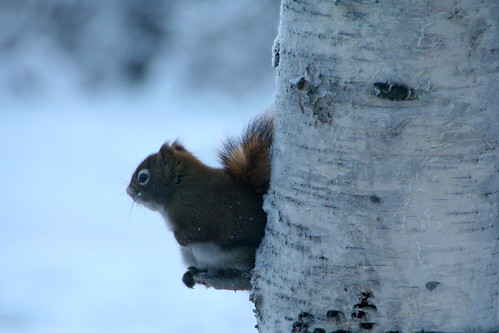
pixel 133 192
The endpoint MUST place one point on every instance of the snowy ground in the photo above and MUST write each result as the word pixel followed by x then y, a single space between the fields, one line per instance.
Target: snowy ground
pixel 75 256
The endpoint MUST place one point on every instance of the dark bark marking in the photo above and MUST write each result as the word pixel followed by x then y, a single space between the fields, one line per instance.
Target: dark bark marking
pixel 394 91
pixel 338 316
pixel 302 84
pixel 303 323
pixel 432 285
pixel 364 302
pixel 367 326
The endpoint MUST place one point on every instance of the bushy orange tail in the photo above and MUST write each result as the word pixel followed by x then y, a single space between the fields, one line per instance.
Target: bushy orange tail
pixel 248 158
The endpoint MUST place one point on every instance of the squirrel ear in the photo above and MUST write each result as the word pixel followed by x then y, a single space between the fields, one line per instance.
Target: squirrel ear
pixel 178 146
pixel 167 153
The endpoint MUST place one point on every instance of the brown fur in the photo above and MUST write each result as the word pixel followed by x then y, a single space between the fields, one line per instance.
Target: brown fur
pixel 210 205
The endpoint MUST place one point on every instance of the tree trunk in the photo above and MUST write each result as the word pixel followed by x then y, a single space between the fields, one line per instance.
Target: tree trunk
pixel 383 207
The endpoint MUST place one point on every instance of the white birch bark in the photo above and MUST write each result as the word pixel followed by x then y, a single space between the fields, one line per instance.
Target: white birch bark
pixel 383 208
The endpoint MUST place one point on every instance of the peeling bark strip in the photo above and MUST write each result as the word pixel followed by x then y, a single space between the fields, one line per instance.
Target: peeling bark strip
pixel 383 210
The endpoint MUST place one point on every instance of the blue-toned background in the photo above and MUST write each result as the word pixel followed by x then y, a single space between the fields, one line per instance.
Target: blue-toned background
pixel 87 90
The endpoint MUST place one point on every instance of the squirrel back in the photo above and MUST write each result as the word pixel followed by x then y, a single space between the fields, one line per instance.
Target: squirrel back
pixel 248 158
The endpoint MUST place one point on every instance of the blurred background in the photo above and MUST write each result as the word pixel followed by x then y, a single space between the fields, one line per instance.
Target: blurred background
pixel 87 90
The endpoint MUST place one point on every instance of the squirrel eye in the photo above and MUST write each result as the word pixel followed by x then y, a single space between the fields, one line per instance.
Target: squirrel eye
pixel 143 176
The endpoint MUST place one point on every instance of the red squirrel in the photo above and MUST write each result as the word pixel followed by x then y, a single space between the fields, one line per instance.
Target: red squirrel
pixel 215 214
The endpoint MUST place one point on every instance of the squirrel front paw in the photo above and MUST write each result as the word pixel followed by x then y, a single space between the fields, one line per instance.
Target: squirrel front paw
pixel 189 277
pixel 227 279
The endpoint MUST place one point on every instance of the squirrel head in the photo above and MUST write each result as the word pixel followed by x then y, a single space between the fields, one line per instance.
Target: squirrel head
pixel 156 177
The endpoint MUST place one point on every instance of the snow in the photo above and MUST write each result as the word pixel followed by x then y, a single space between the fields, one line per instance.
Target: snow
pixel 75 254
